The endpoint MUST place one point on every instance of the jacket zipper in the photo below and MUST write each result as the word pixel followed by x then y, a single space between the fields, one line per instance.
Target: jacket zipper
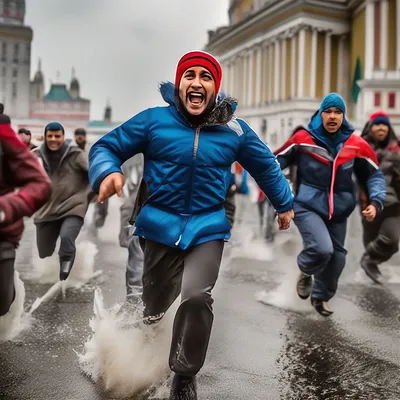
pixel 333 179
pixel 194 154
pixel 196 142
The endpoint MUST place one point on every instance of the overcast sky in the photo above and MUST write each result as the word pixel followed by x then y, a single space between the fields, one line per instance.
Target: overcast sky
pixel 120 49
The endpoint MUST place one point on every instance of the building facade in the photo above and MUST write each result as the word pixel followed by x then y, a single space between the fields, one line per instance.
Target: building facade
pixel 281 57
pixel 15 57
pixel 27 102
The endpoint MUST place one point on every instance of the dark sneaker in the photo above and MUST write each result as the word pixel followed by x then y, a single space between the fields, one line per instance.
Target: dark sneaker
pixel 371 269
pixel 183 388
pixel 304 286
pixel 322 307
pixel 65 269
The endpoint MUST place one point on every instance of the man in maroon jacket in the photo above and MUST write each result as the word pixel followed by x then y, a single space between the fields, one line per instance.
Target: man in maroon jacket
pixel 24 188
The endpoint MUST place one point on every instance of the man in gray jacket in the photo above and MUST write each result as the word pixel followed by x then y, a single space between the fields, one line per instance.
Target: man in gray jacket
pixel 133 171
pixel 63 214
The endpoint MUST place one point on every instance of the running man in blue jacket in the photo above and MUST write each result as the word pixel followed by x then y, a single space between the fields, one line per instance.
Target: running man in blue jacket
pixel 188 147
pixel 326 156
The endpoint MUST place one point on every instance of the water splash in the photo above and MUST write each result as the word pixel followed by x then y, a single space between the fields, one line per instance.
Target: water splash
pixel 15 321
pixel 47 271
pixel 127 356
pixel 284 295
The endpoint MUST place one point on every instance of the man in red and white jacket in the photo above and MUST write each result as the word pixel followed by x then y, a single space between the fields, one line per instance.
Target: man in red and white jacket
pixel 24 188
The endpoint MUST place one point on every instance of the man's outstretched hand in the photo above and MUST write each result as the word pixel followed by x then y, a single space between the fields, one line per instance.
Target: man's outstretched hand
pixel 284 219
pixel 111 184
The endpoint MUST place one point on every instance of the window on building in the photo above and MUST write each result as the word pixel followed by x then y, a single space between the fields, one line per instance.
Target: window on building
pixel 16 53
pixel 377 99
pixel 392 100
pixel 15 73
pixel 4 51
pixel 14 89
pixel 4 72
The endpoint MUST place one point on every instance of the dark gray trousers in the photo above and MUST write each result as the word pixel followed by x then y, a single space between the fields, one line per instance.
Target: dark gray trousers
pixel 192 273
pixel 381 237
pixel 67 229
pixel 7 292
pixel 134 270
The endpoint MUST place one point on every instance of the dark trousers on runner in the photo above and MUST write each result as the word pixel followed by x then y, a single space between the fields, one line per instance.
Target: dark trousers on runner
pixel 7 291
pixel 381 236
pixel 192 273
pixel 67 229
pixel 323 254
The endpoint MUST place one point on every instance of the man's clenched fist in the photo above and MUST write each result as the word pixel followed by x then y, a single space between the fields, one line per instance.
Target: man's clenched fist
pixel 284 219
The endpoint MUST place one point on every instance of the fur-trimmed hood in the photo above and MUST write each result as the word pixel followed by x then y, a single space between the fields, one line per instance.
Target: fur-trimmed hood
pixel 221 114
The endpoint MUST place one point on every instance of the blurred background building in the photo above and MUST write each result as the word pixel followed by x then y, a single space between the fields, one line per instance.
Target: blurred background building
pixel 281 57
pixel 28 102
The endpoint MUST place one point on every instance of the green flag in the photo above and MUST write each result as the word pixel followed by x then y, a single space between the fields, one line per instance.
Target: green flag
pixel 357 76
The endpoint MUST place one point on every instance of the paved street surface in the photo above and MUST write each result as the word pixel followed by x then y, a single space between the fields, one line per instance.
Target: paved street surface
pixel 278 350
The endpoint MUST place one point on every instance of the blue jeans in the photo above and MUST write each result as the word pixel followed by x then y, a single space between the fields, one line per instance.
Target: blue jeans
pixel 323 255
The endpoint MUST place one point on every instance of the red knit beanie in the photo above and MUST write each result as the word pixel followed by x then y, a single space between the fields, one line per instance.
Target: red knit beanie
pixel 199 59
pixel 379 113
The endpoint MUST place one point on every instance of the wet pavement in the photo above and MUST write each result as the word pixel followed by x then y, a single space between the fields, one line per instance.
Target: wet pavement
pixel 279 350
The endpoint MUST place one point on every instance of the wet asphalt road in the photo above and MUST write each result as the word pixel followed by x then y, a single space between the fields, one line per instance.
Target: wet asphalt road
pixel 257 351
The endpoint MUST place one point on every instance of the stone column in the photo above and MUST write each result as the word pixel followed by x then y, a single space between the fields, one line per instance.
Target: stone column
pixel 369 38
pixel 398 34
pixel 270 77
pixel 250 79
pixel 258 76
pixel 301 62
pixel 244 78
pixel 283 70
pixel 384 34
pixel 232 77
pixel 327 63
pixel 277 69
pixel 313 71
pixel 293 68
pixel 340 83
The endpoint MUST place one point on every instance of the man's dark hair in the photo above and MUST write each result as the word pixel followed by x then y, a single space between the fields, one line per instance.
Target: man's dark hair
pixel 80 132
pixel 25 131
pixel 1 108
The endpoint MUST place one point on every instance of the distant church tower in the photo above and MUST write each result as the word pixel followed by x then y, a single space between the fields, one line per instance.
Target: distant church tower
pixel 74 88
pixel 37 85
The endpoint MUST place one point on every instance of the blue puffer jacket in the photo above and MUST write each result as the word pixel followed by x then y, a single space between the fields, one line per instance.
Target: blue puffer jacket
pixel 325 168
pixel 188 170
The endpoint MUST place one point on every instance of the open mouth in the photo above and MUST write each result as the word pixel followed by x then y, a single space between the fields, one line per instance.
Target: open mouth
pixel 196 99
pixel 332 124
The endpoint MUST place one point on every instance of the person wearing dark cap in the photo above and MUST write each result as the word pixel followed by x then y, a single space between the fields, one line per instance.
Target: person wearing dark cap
pixel 189 147
pixel 326 154
pixel 63 214
pixel 381 236
pixel 26 136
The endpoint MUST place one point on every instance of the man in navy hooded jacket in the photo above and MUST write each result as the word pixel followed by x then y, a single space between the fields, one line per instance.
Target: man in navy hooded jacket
pixel 326 155
pixel 189 147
